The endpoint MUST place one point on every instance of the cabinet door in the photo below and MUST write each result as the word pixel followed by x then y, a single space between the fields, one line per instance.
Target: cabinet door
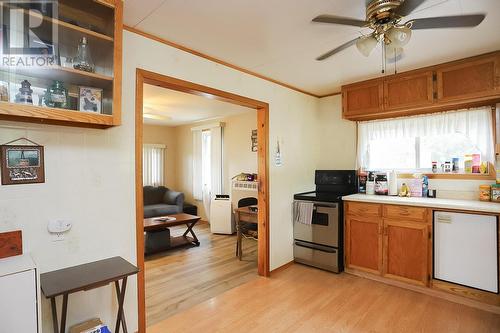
pixel 469 79
pixel 363 99
pixel 18 308
pixel 406 251
pixel 363 243
pixel 409 91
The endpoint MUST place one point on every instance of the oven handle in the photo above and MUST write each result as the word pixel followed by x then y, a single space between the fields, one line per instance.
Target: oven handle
pixel 315 247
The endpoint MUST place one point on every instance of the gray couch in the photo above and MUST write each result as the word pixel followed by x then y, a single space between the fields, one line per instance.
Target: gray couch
pixel 160 201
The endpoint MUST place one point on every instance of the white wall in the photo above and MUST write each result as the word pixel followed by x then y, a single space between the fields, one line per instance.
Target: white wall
pixel 89 181
pixel 337 136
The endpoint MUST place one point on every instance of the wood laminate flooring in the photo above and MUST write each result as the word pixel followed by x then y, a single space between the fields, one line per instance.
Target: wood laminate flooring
pixel 304 299
pixel 179 279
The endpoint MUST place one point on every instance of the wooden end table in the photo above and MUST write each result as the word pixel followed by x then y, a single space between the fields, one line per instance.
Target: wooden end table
pixel 156 224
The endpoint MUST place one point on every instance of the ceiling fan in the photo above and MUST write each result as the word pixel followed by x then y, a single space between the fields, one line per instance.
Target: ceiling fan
pixel 385 18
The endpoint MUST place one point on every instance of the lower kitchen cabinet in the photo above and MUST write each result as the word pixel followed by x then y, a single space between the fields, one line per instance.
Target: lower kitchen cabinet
pixel 363 243
pixel 406 251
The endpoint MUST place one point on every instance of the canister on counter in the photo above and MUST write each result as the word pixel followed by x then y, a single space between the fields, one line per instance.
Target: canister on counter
pixel 495 192
pixel 485 192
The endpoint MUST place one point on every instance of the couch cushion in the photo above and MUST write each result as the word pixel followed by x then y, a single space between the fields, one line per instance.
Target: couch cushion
pixel 160 210
pixel 154 195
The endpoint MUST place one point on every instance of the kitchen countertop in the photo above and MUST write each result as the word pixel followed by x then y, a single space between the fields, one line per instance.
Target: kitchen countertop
pixel 467 205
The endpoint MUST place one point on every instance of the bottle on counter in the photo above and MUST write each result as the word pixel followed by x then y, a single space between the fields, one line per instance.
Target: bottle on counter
pixel 363 178
pixel 381 185
pixel 370 183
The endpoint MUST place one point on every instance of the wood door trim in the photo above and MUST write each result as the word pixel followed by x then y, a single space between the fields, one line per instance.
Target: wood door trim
pixel 144 76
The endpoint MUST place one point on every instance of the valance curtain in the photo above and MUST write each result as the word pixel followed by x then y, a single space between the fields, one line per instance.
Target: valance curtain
pixel 153 160
pixel 476 124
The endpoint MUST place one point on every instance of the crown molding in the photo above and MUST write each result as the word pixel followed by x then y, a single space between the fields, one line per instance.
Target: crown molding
pixel 221 62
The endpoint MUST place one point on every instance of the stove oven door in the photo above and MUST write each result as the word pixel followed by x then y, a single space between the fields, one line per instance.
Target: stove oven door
pixel 324 229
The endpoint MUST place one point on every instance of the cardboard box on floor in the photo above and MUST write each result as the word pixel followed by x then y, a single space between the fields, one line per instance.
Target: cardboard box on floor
pixel 86 325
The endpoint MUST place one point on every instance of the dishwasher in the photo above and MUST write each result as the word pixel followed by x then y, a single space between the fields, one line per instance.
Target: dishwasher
pixel 466 249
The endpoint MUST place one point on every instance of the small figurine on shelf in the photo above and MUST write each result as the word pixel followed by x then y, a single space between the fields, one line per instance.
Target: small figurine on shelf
pixel 25 94
pixel 56 96
pixel 405 191
pixel 83 60
pixel 4 91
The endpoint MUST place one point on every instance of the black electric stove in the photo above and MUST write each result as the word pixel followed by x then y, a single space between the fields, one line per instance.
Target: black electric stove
pixel 331 186
pixel 319 243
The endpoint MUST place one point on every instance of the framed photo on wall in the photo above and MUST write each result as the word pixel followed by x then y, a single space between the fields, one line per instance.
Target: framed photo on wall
pixel 22 164
pixel 90 99
pixel 254 141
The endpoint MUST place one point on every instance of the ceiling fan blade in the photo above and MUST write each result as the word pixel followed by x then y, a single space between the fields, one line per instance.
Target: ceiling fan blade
pixel 408 6
pixel 339 20
pixel 447 22
pixel 338 49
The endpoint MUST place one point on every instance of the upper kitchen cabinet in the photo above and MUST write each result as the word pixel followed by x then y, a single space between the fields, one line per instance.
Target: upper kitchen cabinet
pixel 67 70
pixel 408 91
pixel 362 99
pixel 465 83
pixel 469 79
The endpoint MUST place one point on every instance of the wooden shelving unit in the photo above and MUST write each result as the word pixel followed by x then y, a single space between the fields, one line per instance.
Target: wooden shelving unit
pixel 104 33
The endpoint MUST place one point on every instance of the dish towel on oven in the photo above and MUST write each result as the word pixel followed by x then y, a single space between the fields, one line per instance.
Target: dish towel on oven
pixel 303 212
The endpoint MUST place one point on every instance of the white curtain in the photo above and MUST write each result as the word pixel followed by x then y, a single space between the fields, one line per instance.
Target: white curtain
pixel 216 160
pixel 476 124
pixel 197 166
pixel 153 159
pixel 207 163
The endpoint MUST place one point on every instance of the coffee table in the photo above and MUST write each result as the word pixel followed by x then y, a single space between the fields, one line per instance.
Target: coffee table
pixel 155 224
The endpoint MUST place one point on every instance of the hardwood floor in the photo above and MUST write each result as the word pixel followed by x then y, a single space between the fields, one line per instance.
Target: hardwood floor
pixel 179 279
pixel 304 299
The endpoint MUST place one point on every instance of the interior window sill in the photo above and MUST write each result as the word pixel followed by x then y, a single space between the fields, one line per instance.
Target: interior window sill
pixel 464 176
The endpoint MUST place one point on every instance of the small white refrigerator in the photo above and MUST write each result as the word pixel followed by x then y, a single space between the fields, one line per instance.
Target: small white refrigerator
pixel 466 249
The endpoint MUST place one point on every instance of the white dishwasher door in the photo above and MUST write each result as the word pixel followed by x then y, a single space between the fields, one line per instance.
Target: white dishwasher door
pixel 466 250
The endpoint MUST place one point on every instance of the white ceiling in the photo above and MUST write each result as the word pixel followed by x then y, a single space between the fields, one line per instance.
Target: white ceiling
pixel 276 38
pixel 173 108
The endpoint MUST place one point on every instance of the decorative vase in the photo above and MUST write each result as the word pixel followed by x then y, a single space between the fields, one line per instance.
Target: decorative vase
pixel 83 60
pixel 56 96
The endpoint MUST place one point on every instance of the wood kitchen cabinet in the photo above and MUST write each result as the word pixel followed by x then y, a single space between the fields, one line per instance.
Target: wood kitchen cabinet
pixel 363 237
pixel 405 255
pixel 469 79
pixel 466 83
pixel 365 98
pixel 388 240
pixel 409 91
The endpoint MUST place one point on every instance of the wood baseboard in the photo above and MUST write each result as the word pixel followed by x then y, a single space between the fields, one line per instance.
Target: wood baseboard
pixel 283 267
pixel 428 291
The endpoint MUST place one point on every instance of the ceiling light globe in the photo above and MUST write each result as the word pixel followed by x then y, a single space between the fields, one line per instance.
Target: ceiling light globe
pixel 366 45
pixel 399 36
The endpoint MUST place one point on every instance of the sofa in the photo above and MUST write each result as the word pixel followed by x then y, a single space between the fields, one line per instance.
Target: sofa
pixel 161 201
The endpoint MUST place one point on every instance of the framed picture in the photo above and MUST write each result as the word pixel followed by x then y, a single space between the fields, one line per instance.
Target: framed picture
pixel 22 164
pixel 90 99
pixel 254 141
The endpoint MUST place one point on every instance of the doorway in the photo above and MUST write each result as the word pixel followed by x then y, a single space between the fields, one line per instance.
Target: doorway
pixel 146 77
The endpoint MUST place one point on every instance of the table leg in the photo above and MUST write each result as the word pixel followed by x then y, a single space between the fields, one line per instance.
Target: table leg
pixel 124 324
pixel 120 319
pixel 190 230
pixel 55 322
pixel 64 313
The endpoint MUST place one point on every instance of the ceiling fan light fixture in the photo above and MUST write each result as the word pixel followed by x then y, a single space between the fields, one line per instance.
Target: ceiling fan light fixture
pixel 366 45
pixel 399 36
